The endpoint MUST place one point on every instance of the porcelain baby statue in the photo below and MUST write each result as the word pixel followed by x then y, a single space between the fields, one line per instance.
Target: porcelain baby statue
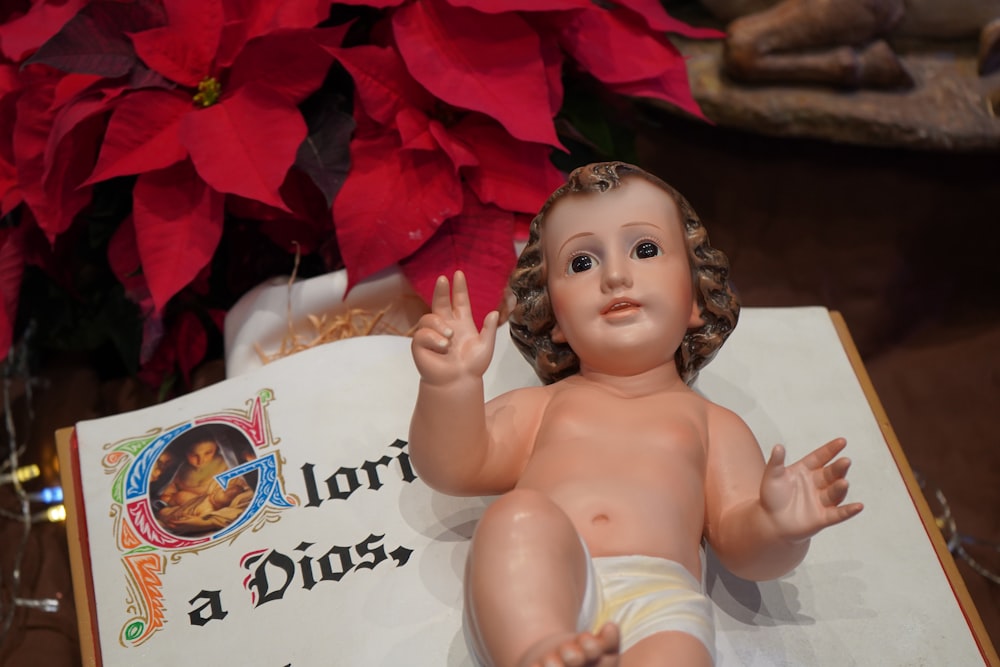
pixel 612 473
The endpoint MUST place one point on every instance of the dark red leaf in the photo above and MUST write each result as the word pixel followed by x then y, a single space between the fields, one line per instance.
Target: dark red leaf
pixel 479 241
pixel 613 49
pixel 143 77
pixel 158 355
pixel 514 175
pixel 247 19
pixel 631 61
pixel 67 120
pixel 52 194
pixel 381 4
pixel 288 62
pixel 245 144
pixel 501 6
pixel 142 134
pixel 305 228
pixel 11 271
pixel 72 85
pixel 413 127
pixel 9 81
pixel 325 154
pixel 123 258
pixel 383 85
pixel 391 203
pixel 10 87
pixel 94 41
pixel 28 32
pixel 191 342
pixel 183 50
pixel 218 317
pixel 10 195
pixel 178 224
pixel 459 152
pixel 33 123
pixel 553 58
pixel 453 52
pixel 184 345
pixel 656 17
pixel 671 86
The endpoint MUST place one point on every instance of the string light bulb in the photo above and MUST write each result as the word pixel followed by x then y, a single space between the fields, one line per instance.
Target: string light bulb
pixel 48 495
pixel 22 474
pixel 54 514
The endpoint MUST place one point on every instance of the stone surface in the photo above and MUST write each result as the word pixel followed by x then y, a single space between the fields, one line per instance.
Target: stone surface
pixel 950 107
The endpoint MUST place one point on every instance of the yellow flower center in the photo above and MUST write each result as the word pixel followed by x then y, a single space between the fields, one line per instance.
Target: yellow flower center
pixel 209 90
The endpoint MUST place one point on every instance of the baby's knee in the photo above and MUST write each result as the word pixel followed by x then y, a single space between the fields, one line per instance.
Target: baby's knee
pixel 523 512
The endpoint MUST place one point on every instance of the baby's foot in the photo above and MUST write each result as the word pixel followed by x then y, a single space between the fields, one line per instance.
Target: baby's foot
pixel 583 650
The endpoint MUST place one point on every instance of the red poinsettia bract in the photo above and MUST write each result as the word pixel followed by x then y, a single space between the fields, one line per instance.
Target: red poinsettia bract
pixel 196 98
pixel 200 102
pixel 455 119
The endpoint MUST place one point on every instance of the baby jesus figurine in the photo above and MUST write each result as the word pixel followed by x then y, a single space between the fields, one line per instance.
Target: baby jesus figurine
pixel 614 471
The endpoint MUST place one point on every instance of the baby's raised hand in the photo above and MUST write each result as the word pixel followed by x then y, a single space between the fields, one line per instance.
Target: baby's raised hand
pixel 447 345
pixel 806 497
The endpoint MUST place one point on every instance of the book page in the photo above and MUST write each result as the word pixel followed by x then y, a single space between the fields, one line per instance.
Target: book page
pixel 275 517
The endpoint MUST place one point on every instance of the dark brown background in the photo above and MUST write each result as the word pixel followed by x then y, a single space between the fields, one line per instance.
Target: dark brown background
pixel 905 244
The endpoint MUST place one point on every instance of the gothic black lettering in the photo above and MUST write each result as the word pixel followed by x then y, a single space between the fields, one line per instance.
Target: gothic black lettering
pixel 272 572
pixel 350 477
pixel 213 603
pixel 261 583
pixel 342 484
pixel 369 548
pixel 326 563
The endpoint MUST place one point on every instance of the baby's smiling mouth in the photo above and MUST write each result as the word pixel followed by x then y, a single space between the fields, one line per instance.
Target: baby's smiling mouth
pixel 619 305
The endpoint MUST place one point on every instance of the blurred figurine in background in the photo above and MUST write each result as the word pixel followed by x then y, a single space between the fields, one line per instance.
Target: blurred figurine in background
pixel 614 470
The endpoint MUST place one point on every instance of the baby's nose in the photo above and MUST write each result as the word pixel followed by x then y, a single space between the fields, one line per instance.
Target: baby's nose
pixel 617 275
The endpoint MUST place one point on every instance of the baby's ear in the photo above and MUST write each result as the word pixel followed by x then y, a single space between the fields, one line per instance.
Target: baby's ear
pixel 695 321
pixel 557 334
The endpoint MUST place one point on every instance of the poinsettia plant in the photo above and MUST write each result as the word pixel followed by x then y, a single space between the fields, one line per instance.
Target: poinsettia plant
pixel 418 133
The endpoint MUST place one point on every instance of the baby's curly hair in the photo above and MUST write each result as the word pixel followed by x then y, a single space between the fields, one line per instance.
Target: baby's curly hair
pixel 532 319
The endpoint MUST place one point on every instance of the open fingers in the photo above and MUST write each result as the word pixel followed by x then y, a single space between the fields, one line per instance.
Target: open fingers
pixel 835 494
pixel 441 298
pixel 820 456
pixel 452 301
pixel 460 295
pixel 842 513
pixel 835 471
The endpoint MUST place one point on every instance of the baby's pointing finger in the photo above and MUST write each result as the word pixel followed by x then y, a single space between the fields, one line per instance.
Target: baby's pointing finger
pixel 441 299
pixel 460 294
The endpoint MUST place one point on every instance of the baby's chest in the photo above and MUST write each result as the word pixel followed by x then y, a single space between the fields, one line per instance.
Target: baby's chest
pixel 638 422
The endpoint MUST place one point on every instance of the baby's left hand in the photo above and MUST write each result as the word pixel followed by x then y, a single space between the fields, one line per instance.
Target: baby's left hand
pixel 805 497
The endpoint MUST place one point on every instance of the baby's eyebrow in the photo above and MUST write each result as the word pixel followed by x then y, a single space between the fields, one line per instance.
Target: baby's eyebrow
pixel 575 236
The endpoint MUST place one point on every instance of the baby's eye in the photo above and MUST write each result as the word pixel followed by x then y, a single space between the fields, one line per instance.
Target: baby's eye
pixel 645 250
pixel 581 263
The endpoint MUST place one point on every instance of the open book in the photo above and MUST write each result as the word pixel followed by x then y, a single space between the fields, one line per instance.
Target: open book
pixel 326 549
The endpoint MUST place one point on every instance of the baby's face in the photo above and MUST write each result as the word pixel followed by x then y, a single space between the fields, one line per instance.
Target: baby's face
pixel 201 453
pixel 618 277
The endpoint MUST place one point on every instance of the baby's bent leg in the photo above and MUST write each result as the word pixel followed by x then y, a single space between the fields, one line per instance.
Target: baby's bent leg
pixel 668 648
pixel 526 579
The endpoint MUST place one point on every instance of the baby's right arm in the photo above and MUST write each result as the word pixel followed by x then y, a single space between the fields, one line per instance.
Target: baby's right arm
pixel 449 440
